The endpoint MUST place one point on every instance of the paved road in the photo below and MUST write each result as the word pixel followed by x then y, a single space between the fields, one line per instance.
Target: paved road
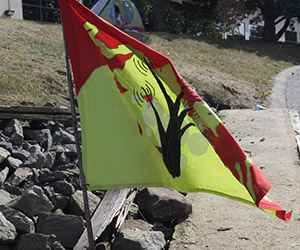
pixel 217 223
pixel 293 90
pixel 286 90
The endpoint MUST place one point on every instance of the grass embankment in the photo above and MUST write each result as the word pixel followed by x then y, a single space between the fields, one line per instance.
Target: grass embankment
pixel 225 73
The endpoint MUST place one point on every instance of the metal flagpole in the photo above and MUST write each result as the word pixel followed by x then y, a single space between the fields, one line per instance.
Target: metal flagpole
pixel 74 122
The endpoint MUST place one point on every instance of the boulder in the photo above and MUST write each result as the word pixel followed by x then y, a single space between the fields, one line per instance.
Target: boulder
pixel 14 131
pixel 3 137
pixel 70 150
pixel 60 201
pixel 38 241
pixel 48 176
pixel 63 187
pixel 37 159
pixel 8 232
pixel 7 145
pixel 140 224
pixel 41 124
pixel 136 239
pixel 32 202
pixel 49 191
pixel 67 228
pixel 75 181
pixel 22 223
pixel 62 159
pixel 3 154
pixel 5 197
pixel 43 137
pixel 3 175
pixel 77 205
pixel 163 204
pixel 11 189
pixel 20 175
pixel 50 158
pixel 62 136
pixel 22 154
pixel 13 163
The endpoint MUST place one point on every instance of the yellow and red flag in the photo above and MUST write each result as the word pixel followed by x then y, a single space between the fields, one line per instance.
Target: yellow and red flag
pixel 143 126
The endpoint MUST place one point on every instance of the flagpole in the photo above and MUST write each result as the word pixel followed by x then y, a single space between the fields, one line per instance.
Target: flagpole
pixel 82 177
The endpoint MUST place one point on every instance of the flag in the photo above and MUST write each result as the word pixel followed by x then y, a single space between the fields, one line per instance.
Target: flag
pixel 143 126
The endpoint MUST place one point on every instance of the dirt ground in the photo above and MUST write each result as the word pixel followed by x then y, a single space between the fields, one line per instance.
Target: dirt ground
pixel 219 223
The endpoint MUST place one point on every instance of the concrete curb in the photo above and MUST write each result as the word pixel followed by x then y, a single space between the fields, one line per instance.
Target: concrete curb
pixel 296 126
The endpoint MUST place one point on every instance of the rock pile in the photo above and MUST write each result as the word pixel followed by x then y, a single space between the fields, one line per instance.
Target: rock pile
pixel 41 204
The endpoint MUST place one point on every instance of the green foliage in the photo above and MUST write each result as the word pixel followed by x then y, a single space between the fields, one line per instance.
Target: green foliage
pixel 191 17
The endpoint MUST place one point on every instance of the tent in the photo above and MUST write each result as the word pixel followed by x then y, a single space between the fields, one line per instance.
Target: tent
pixel 107 10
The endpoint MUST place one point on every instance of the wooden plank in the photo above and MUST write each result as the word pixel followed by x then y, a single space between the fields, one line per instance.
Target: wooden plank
pixel 125 209
pixel 35 110
pixel 108 209
pixel 37 113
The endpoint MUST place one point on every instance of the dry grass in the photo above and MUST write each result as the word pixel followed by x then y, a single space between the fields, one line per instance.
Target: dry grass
pixel 226 73
pixel 32 63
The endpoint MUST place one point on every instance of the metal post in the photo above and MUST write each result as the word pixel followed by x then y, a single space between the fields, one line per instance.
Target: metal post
pixel 74 122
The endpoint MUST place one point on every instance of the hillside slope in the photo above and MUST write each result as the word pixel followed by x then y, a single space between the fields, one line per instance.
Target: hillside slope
pixel 226 73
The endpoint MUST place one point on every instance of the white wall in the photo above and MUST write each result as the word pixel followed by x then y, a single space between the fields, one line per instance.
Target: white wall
pixel 15 5
pixel 278 27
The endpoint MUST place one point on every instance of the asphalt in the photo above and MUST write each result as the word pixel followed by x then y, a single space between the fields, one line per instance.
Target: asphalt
pixel 272 139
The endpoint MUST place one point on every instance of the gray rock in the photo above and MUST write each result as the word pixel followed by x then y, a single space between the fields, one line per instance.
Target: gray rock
pixel 36 159
pixel 3 247
pixel 20 175
pixel 70 150
pixel 163 204
pixel 3 137
pixel 42 124
pixel 8 232
pixel 77 205
pixel 49 191
pixel 167 231
pixel 15 132
pixel 14 163
pixel 7 145
pixel 22 223
pixel 22 154
pixel 67 228
pixel 47 175
pixel 60 201
pixel 50 158
pixel 140 224
pixel 63 187
pixel 32 202
pixel 5 197
pixel 3 154
pixel 43 137
pixel 3 175
pixel 136 239
pixel 58 149
pixel 12 189
pixel 38 241
pixel 62 136
pixel 62 159
pixel 75 181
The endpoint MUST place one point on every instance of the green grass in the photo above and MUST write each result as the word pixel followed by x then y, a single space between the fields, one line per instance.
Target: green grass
pixel 229 73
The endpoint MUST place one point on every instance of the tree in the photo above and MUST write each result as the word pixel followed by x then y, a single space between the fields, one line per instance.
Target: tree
pixel 271 12
pixel 157 17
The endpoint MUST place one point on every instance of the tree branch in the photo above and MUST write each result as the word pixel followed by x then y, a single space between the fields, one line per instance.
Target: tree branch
pixel 283 29
pixel 278 21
